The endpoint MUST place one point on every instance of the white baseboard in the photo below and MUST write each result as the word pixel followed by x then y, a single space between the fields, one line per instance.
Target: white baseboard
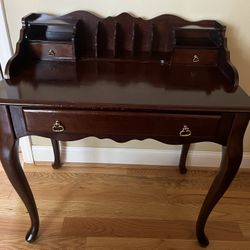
pixel 26 149
pixel 131 156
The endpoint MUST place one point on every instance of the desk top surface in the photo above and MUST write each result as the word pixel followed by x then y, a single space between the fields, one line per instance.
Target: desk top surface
pixel 123 86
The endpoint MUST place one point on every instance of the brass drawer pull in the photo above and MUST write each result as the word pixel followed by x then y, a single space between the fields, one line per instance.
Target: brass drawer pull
pixel 57 127
pixel 185 132
pixel 51 52
pixel 196 59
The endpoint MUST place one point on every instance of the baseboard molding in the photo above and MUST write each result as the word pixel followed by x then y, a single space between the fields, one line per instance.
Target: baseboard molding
pixel 131 156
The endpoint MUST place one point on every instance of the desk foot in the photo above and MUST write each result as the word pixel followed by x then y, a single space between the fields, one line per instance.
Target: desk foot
pixel 32 233
pixel 230 163
pixel 202 238
pixel 183 158
pixel 56 149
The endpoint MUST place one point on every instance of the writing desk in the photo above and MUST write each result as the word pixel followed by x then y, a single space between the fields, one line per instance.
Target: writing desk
pixel 122 78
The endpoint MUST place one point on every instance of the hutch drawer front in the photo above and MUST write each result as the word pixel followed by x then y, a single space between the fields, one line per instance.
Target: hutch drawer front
pixel 121 123
pixel 196 56
pixel 51 50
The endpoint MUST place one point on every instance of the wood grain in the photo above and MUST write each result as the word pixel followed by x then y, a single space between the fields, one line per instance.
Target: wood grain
pixel 121 207
pixel 145 228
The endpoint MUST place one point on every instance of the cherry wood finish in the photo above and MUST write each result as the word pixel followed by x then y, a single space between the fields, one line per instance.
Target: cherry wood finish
pixel 183 158
pixel 56 149
pixel 52 51
pixel 230 163
pixel 186 56
pixel 122 78
pixel 13 169
pixel 79 122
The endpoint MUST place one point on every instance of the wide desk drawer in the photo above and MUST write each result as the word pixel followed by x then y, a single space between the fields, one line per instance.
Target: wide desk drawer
pixel 136 124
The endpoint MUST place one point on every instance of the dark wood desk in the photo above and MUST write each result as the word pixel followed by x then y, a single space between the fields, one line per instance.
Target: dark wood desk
pixel 122 78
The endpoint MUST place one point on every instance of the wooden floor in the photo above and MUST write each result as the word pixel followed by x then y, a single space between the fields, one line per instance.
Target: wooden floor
pixel 112 207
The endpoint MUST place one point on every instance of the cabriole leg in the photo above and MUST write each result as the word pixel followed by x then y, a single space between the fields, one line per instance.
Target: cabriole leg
pixel 56 150
pixel 14 171
pixel 230 163
pixel 183 158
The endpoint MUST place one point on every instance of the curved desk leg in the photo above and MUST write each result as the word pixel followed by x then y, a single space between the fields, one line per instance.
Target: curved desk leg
pixel 230 163
pixel 56 150
pixel 13 169
pixel 183 158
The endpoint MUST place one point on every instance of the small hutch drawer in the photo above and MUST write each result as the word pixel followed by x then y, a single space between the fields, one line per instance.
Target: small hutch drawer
pixel 195 56
pixel 52 50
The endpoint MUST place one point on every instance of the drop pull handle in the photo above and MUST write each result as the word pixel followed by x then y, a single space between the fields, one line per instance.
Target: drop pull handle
pixel 185 132
pixel 51 52
pixel 196 59
pixel 57 127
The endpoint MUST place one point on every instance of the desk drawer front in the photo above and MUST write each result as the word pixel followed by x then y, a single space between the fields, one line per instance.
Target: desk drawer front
pixel 196 56
pixel 121 123
pixel 52 51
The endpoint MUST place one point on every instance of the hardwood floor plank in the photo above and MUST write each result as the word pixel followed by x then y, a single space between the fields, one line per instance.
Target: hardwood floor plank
pixel 138 228
pixel 43 243
pixel 94 243
pixel 245 228
pixel 5 187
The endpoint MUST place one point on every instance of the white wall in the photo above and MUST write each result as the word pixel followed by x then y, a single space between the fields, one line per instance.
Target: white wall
pixel 5 47
pixel 234 14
